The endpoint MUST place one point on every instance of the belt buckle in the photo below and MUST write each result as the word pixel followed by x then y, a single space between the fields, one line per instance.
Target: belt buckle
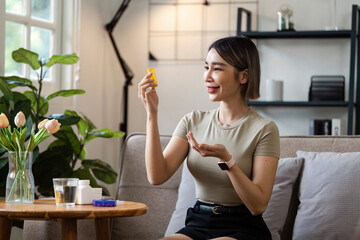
pixel 214 210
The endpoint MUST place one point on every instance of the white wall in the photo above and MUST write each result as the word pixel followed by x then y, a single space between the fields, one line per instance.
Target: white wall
pixel 181 88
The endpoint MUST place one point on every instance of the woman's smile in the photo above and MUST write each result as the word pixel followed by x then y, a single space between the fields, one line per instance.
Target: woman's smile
pixel 212 89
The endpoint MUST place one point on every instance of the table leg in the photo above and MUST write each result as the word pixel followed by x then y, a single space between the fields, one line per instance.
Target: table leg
pixel 5 228
pixel 68 229
pixel 102 229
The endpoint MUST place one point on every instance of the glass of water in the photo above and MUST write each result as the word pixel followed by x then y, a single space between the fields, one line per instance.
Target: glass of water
pixel 65 191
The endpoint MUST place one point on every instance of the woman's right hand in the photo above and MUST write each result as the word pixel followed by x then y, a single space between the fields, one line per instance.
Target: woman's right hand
pixel 147 94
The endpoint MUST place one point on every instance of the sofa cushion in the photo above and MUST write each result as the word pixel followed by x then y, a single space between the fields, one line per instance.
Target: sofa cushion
pixel 276 212
pixel 329 196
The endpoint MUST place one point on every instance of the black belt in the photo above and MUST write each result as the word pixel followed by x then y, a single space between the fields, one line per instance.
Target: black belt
pixel 218 209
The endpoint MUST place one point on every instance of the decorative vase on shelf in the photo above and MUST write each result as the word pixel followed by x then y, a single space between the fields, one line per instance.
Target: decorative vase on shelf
pixel 20 180
pixel 284 18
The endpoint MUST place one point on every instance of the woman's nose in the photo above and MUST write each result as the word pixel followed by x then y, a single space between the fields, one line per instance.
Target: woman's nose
pixel 207 76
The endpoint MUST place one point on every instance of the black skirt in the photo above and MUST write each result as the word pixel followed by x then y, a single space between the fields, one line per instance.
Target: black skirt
pixel 207 221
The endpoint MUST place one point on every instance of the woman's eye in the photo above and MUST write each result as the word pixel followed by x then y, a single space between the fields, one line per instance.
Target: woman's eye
pixel 206 67
pixel 217 69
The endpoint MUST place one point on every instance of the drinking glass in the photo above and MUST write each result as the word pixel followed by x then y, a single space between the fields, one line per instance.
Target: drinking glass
pixel 65 191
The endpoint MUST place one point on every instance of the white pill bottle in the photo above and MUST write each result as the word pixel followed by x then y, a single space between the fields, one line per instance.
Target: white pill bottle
pixel 84 192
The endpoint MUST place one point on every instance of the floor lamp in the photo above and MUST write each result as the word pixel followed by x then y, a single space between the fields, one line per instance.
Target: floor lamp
pixel 127 71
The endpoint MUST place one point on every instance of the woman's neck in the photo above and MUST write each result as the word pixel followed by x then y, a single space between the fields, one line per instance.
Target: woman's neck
pixel 232 112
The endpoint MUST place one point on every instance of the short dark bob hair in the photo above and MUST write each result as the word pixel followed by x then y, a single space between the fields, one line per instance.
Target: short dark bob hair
pixel 241 53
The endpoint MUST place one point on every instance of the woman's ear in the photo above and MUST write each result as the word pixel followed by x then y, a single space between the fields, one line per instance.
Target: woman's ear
pixel 244 76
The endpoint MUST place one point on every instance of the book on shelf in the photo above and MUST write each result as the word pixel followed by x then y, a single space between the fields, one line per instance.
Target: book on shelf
pixel 325 126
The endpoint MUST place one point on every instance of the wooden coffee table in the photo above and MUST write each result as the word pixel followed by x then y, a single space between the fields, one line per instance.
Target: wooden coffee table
pixel 67 216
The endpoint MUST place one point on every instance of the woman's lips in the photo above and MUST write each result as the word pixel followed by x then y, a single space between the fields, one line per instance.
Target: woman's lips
pixel 212 89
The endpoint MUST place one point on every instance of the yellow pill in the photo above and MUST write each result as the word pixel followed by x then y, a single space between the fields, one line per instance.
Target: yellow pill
pixel 153 77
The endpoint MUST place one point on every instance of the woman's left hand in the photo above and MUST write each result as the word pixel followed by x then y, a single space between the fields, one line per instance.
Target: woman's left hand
pixel 205 150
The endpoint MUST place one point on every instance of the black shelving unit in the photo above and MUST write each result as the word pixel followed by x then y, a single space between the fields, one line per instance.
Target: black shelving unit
pixel 299 34
pixel 299 103
pixel 351 34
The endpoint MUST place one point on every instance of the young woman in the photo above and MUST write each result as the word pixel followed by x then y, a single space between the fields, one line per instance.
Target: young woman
pixel 231 151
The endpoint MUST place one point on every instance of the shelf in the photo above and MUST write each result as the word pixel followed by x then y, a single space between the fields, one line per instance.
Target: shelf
pixel 299 34
pixel 351 34
pixel 299 103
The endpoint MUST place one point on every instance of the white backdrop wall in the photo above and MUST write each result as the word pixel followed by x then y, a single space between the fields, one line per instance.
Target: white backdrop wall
pixel 181 87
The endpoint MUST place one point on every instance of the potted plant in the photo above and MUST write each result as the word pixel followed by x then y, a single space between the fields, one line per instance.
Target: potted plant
pixel 66 155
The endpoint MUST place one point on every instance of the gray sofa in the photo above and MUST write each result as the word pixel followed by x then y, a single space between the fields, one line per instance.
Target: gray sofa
pixel 316 193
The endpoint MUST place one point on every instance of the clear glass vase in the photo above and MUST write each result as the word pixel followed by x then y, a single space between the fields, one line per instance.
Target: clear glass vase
pixel 20 180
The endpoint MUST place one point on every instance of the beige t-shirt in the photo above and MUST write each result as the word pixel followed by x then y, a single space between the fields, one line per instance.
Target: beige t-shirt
pixel 250 136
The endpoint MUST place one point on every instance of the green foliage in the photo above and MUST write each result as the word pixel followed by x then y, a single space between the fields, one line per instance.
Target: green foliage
pixel 25 56
pixel 62 59
pixel 66 154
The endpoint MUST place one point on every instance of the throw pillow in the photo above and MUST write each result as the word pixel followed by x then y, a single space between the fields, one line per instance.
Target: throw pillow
pixel 276 212
pixel 329 196
pixel 277 209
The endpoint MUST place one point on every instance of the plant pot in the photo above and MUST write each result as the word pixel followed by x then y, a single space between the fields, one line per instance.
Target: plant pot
pixel 20 180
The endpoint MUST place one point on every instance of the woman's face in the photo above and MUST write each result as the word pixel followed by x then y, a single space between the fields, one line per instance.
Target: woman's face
pixel 220 79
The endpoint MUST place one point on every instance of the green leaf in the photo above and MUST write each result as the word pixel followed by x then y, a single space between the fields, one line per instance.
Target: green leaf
pixel 17 79
pixel 63 59
pixel 14 81
pixel 66 133
pixel 38 141
pixel 31 144
pixel 65 119
pixel 36 153
pixel 28 124
pixel 3 107
pixel 4 142
pixel 25 56
pixel 101 170
pixel 104 133
pixel 6 91
pixel 13 139
pixel 84 174
pixel 91 124
pixel 57 143
pixel 83 154
pixel 2 150
pixel 65 93
pixel 3 162
pixel 13 84
pixel 18 96
pixel 22 137
pixel 82 125
pixel 32 97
